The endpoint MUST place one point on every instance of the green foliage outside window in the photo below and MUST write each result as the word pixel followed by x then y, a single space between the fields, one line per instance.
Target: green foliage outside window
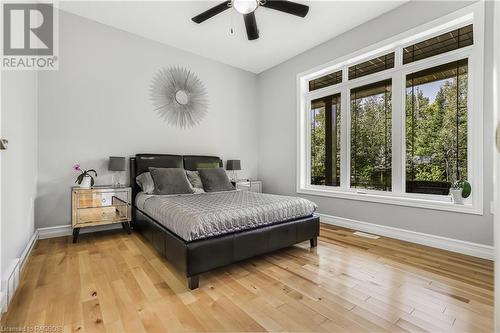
pixel 436 132
pixel 371 142
pixel 436 127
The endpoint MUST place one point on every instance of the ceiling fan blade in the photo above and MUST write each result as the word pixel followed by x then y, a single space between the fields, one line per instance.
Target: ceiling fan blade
pixel 287 7
pixel 251 25
pixel 211 12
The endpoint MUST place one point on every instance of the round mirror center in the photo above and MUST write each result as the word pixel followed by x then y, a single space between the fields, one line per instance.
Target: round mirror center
pixel 181 97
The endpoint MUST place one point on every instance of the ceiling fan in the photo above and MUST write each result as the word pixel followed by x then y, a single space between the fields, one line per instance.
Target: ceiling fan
pixel 248 7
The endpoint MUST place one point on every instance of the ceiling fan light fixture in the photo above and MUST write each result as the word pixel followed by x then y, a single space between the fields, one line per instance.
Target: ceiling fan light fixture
pixel 245 6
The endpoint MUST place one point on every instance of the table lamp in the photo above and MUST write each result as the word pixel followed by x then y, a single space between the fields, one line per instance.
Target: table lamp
pixel 233 166
pixel 116 164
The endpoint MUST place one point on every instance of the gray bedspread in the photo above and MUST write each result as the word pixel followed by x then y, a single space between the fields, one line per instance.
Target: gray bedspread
pixel 198 216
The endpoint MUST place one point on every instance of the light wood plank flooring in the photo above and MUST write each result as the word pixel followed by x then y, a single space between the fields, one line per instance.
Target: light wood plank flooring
pixel 113 282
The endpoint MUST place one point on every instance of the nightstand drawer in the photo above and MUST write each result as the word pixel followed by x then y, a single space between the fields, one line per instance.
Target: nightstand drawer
pixel 252 186
pixel 102 214
pixel 92 199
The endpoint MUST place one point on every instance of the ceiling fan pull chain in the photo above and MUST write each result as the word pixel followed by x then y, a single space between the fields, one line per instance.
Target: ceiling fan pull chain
pixel 231 27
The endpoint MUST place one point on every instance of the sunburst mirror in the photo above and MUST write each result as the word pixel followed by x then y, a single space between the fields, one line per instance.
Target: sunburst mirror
pixel 179 96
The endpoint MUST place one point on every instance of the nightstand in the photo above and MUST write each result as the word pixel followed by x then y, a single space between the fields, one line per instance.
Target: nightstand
pixel 100 205
pixel 252 185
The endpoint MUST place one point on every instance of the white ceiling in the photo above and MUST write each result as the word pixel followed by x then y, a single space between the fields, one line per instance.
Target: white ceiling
pixel 282 36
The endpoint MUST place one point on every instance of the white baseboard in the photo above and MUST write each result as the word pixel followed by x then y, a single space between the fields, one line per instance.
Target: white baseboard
pixel 10 280
pixel 3 303
pixel 454 245
pixel 27 250
pixel 67 230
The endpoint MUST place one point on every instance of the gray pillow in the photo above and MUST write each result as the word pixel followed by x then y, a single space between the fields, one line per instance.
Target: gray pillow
pixel 145 182
pixel 170 181
pixel 215 180
pixel 194 179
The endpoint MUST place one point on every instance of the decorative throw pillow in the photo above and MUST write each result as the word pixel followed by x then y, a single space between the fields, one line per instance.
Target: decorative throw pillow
pixel 145 182
pixel 215 180
pixel 194 179
pixel 198 190
pixel 170 181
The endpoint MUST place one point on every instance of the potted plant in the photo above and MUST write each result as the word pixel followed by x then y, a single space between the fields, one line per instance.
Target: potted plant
pixel 460 190
pixel 85 178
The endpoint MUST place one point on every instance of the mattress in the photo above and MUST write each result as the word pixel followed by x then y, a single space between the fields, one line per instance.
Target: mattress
pixel 197 216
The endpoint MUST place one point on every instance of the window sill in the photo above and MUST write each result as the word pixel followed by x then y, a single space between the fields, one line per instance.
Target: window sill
pixel 466 208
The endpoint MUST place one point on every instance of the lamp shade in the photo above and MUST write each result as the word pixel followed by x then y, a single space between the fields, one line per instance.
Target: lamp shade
pixel 233 165
pixel 117 163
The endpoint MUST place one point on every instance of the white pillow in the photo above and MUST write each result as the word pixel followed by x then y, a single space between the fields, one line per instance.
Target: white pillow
pixel 145 182
pixel 195 180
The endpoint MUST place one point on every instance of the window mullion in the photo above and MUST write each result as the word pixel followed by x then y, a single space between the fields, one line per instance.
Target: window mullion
pixel 345 147
pixel 308 145
pixel 398 137
pixel 398 57
pixel 398 127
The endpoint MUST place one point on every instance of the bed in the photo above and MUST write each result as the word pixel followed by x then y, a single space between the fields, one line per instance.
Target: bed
pixel 200 232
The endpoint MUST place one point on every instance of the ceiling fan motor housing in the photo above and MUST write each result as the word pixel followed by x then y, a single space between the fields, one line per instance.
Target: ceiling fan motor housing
pixel 245 6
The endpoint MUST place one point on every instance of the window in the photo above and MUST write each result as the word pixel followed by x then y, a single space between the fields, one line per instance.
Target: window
pixel 372 66
pixel 371 136
pixel 449 41
pixel 436 128
pixel 325 141
pixel 399 122
pixel 325 81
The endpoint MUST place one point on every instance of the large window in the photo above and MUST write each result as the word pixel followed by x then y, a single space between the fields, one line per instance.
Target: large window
pixel 371 136
pixel 398 123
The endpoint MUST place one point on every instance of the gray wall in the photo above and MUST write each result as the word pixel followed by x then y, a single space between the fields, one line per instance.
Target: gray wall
pixel 277 128
pixel 19 108
pixel 97 104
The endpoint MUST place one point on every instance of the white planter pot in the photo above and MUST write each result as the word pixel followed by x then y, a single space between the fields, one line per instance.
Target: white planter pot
pixel 86 181
pixel 456 194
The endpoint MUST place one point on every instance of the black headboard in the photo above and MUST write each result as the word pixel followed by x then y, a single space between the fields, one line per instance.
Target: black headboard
pixel 141 162
pixel 195 162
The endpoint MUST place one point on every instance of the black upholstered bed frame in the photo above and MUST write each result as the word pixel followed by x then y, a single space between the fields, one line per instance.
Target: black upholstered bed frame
pixel 199 256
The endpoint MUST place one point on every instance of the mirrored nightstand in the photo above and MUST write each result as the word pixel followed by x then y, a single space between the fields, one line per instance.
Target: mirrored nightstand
pixel 100 205
pixel 249 185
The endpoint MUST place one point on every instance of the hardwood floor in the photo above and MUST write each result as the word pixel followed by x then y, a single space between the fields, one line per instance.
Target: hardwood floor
pixel 114 282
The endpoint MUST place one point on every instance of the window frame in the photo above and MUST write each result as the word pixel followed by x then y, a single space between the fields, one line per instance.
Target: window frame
pixel 473 14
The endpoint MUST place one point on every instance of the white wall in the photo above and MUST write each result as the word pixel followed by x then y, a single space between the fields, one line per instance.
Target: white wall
pixel 496 164
pixel 97 105
pixel 19 163
pixel 277 128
